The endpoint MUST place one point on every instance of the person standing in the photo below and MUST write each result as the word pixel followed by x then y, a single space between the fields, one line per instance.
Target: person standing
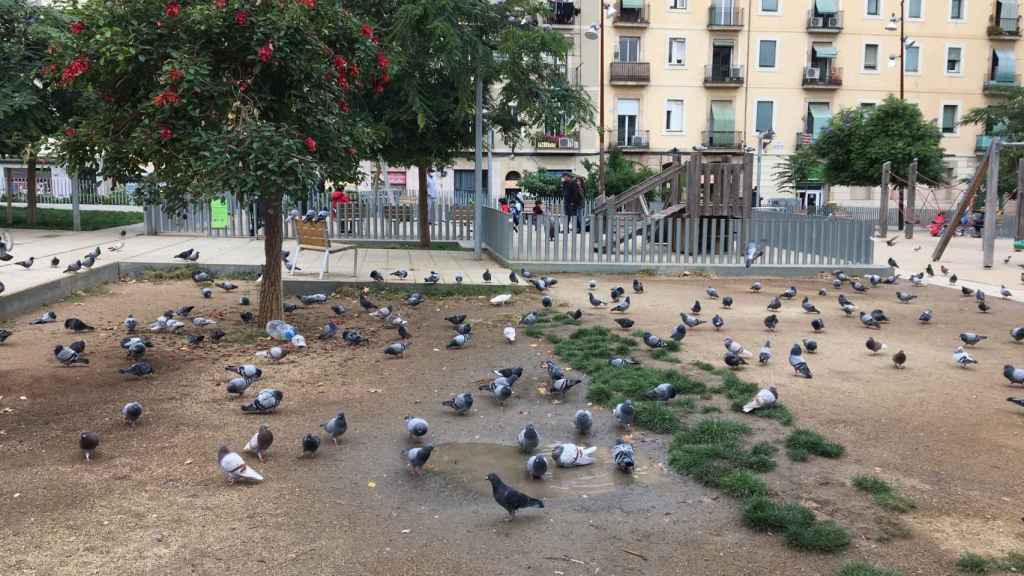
pixel 432 193
pixel 581 200
pixel 569 197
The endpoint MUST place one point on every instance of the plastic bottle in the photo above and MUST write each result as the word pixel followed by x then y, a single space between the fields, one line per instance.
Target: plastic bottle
pixel 280 330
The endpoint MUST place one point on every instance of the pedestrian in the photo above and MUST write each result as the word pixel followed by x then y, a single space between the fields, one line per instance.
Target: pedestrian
pixel 432 193
pixel 517 207
pixel 569 196
pixel 581 199
pixel 503 205
pixel 538 207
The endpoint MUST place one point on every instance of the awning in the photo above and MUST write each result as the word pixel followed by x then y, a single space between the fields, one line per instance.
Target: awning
pixel 723 119
pixel 638 4
pixel 820 117
pixel 826 52
pixel 627 107
pixel 1006 66
pixel 826 6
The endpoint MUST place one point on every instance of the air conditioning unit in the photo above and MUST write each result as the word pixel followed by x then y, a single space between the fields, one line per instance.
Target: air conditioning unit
pixel 817 22
pixel 677 61
pixel 637 141
pixel 566 143
pixel 735 73
pixel 811 73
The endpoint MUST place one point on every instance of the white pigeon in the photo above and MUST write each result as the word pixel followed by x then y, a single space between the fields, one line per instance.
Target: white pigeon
pixel 736 348
pixel 201 321
pixel 569 455
pixel 276 354
pixel 592 284
pixel 764 398
pixel 765 355
pixel 510 334
pixel 962 358
pixel 382 312
pixel 501 299
pixel 234 468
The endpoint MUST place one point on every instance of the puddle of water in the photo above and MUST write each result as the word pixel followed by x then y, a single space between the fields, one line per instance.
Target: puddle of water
pixel 469 463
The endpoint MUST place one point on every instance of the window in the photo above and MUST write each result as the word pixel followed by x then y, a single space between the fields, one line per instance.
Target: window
pixel 674 116
pixel 868 106
pixel 677 51
pixel 819 114
pixel 915 9
pixel 871 57
pixel 766 54
pixel 764 116
pixel 873 8
pixel 627 110
pixel 912 59
pixel 950 116
pixel 956 9
pixel 629 49
pixel 677 5
pixel 770 6
pixel 954 56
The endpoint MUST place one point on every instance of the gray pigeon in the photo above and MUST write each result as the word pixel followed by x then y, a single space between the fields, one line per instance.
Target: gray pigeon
pixel 509 498
pixel 583 421
pixel 662 392
pixel 45 318
pixel 528 439
pixel 796 360
pixel 537 466
pixel 653 341
pixel 260 442
pixel 765 355
pixel 458 342
pixel 808 306
pixel 971 339
pixel 416 427
pixel 618 362
pixel 461 403
pixel 500 388
pixel 752 253
pixel 621 306
pixel 131 412
pixel 138 369
pixel 396 348
pixel 905 297
pixel 962 358
pixel 1013 375
pixel 335 427
pixel 1017 333
pixel 417 458
pixel 67 356
pixel 265 402
pixel 925 316
pixel 624 413
pixel 88 442
pixel 624 456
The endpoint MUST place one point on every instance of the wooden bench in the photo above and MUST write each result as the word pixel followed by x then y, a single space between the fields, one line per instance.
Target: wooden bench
pixel 313 236
pixel 464 215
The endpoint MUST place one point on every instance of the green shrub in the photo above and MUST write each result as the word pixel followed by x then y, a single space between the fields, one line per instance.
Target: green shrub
pixel 864 569
pixel 801 443
pixel 883 493
pixel 765 515
pixel 826 536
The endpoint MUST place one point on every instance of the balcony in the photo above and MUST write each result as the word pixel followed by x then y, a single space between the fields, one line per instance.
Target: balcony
pixel 631 73
pixel 723 76
pixel 722 140
pixel 632 15
pixel 1003 28
pixel 632 140
pixel 824 23
pixel 803 139
pixel 725 18
pixel 561 142
pixel 982 142
pixel 1000 87
pixel 561 13
pixel 816 78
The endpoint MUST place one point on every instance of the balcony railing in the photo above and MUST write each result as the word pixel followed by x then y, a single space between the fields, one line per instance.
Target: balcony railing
pixel 824 23
pixel 632 16
pixel 638 139
pixel 561 12
pixel 630 72
pixel 723 76
pixel 725 19
pixel 558 141
pixel 982 142
pixel 827 79
pixel 1004 27
pixel 803 139
pixel 722 140
pixel 999 87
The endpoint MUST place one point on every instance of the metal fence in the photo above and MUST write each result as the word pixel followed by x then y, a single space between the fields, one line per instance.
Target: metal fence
pixel 58 191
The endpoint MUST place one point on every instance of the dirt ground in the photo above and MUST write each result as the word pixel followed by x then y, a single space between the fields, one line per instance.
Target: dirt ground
pixel 153 501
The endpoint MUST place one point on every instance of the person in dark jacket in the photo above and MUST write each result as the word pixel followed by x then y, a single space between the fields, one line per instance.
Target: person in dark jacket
pixel 571 199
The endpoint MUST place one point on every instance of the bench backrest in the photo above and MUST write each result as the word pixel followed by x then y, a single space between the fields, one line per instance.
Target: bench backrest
pixel 463 213
pixel 312 234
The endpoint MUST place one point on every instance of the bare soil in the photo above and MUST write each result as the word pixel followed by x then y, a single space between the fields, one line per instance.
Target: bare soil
pixel 154 502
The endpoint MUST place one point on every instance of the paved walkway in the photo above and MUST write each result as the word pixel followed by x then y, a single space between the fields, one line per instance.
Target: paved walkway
pixel 70 246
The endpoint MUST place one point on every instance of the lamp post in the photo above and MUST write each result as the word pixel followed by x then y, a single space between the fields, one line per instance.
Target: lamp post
pixel 596 32
pixel 892 25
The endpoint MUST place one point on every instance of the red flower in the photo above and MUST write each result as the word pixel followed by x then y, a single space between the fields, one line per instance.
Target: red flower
pixel 310 144
pixel 378 87
pixel 77 27
pixel 172 9
pixel 340 64
pixel 375 39
pixel 367 31
pixel 353 70
pixel 382 60
pixel 343 106
pixel 308 3
pixel 70 132
pixel 76 68
pixel 168 96
pixel 241 17
pixel 166 133
pixel 174 75
pixel 343 83
pixel 220 4
pixel 265 52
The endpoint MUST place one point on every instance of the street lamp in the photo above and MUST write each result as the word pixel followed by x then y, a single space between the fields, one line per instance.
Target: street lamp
pixel 892 25
pixel 596 32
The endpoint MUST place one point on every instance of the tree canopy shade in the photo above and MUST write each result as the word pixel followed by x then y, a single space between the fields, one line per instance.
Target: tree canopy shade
pixel 440 47
pixel 620 173
pixel 1004 119
pixel 199 99
pixel 796 169
pixel 858 141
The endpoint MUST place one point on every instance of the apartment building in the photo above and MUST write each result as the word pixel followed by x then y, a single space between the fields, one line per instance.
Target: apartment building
pixel 682 73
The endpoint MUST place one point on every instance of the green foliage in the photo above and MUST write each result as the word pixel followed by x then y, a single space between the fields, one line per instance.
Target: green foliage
pixel 541 183
pixel 857 142
pixel 797 524
pixel 533 332
pixel 865 569
pixel 978 564
pixel 803 443
pixel 553 338
pixel 823 536
pixel 713 453
pixel 663 355
pixel 884 494
pixel 58 219
pixel 796 169
pixel 705 366
pixel 656 417
pixel 972 563
pixel 620 173
pixel 1004 117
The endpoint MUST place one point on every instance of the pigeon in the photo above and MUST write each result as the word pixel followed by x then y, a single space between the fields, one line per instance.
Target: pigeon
pixel 569 455
pixel 2 287
pixel 858 286
pixel 905 297
pixel 537 466
pixel 962 358
pixel 509 498
pixel 809 307
pixel 1017 333
pixel 500 388
pixel 432 278
pixel 55 262
pixel 653 341
pixel 310 444
pixel 184 311
pixel 562 386
pixel 501 299
pixel 138 369
pixel 365 302
pixel 575 314
pixel 818 325
pixel 226 286
pixel 775 304
pixel 695 309
pixel 4 335
pixel 638 287
pixel 67 356
pixel 765 355
pixel 265 402
pixel 735 347
pixel 662 392
pixel 26 264
pixel 890 243
pixel 691 321
pixel 396 348
pixel 458 277
pixel 416 427
pixel 869 321
pixel 583 421
pixel 88 442
pixel 789 294
pixel 822 292
pixel 310 299
pixel 621 306
pixel 617 293
pixel 770 322
pixel 487 276
pixel 1017 401
pixel 414 300
pixel 461 403
pixel 756 287
pixel 528 439
pixel 459 341
pixel 335 427
pixel 624 413
pixel 353 337
pixel 202 322
pixel 289 307
pixel 892 262
pixel 899 359
pixel 727 302
pixel 76 325
pixel 234 468
pixel 952 280
pixel 971 339
pixel 594 301
pixel 733 361
pixel 184 255
pixel 200 276
pixel 456 319
pixel 45 318
pixel 717 322
pixel 513 278
pixel 796 360
pixel 383 312
pixel 965 291
pixel 78 346
pixel 206 293
pixel 376 276
pixel 624 456
pixel 929 270
pixel 1013 375
pixel 131 412
pixel 624 323
pixel 765 398
pixel 712 293
pixel 925 316
pixel 810 345
pixel 875 346
pixel 275 354
pixel 328 331
pixel 983 307
pixel 1005 292
pixel 546 302
pixel 753 252
pixel 874 280
pixel 245 370
pixel 464 329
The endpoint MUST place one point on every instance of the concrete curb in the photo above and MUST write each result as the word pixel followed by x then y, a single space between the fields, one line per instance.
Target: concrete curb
pixel 20 302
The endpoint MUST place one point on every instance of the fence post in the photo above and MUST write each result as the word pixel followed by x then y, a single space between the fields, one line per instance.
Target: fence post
pixel 76 216
pixel 988 242
pixel 883 210
pixel 693 184
pixel 1020 201
pixel 910 209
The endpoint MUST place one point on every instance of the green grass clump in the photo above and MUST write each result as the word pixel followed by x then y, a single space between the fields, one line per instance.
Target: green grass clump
pixel 972 563
pixel 709 409
pixel 553 338
pixel 742 484
pixel 702 365
pixel 801 444
pixel 739 392
pixel 656 417
pixel 884 494
pixel 797 524
pixel 977 564
pixel 864 569
pixel 713 453
pixel 59 219
pixel 664 355
pixel 533 332
pixel 637 334
pixel 826 536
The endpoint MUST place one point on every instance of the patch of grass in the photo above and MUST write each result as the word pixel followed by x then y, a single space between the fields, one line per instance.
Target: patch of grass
pixel 712 452
pixel 884 494
pixel 801 444
pixel 81 295
pixel 637 334
pixel 702 365
pixel 59 219
pixel 533 332
pixel 709 409
pixel 656 417
pixel 553 338
pixel 663 355
pixel 865 569
pixel 185 271
pixel 797 524
pixel 742 484
pixel 890 528
pixel 824 536
pixel 972 563
pixel 739 392
pixel 977 564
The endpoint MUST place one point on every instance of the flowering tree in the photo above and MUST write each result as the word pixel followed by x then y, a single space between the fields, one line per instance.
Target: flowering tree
pixel 197 99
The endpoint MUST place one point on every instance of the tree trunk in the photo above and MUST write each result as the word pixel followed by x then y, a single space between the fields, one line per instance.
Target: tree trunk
pixel 273 232
pixel 424 168
pixel 899 213
pixel 30 199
